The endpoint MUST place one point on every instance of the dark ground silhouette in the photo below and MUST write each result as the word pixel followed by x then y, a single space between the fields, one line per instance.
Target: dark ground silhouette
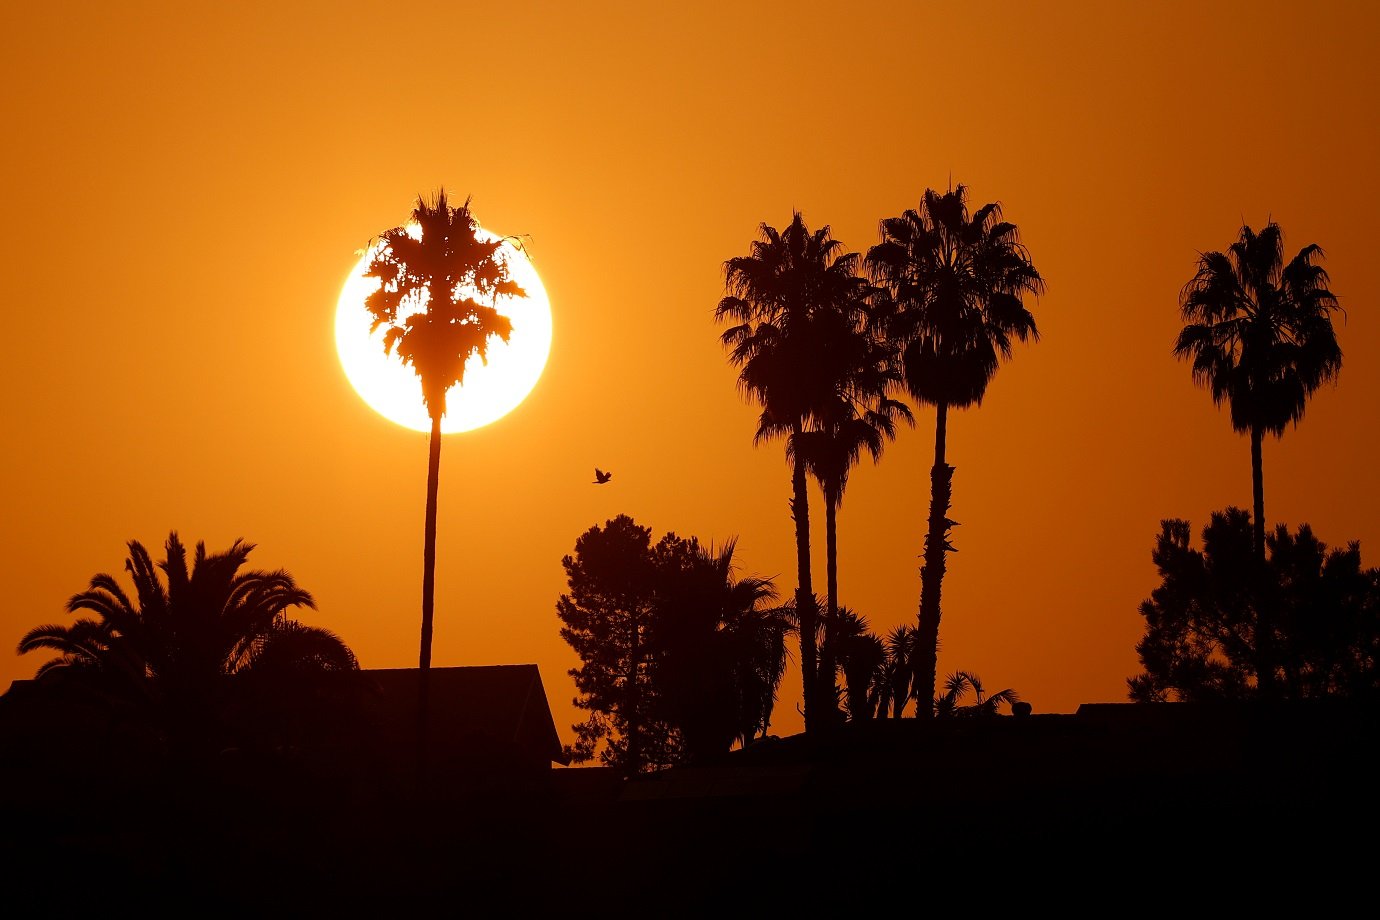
pixel 1119 806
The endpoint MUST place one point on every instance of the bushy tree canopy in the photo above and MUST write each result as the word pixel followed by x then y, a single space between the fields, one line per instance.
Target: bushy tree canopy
pixel 1202 622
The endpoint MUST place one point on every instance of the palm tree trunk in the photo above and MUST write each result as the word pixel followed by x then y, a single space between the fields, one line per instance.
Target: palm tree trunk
pixel 804 592
pixel 828 659
pixel 1258 490
pixel 433 477
pixel 932 571
pixel 1264 606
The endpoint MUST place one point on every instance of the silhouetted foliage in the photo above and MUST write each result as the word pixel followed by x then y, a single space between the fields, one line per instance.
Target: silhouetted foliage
pixel 680 657
pixel 720 647
pixel 204 658
pixel 605 618
pixel 957 686
pixel 956 286
pixel 862 658
pixel 1260 338
pixel 785 300
pixel 439 282
pixel 1203 625
pixel 858 417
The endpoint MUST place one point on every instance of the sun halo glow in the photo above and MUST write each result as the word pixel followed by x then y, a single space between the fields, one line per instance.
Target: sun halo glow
pixel 489 392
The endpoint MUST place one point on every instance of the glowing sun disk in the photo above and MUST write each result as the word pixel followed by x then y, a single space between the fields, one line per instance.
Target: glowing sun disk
pixel 489 392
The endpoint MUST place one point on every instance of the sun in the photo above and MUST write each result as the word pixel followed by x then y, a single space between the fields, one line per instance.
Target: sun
pixel 489 392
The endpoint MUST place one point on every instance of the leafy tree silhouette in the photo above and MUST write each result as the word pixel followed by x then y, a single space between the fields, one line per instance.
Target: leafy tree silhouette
pixel 778 295
pixel 1203 624
pixel 956 284
pixel 679 656
pixel 605 617
pixel 431 302
pixel 720 647
pixel 186 653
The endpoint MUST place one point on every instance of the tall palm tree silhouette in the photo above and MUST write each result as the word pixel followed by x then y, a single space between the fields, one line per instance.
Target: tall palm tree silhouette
pixel 1259 335
pixel 187 644
pixel 439 282
pixel 777 295
pixel 956 285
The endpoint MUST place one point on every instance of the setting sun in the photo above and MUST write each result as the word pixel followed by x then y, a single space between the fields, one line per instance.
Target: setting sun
pixel 490 391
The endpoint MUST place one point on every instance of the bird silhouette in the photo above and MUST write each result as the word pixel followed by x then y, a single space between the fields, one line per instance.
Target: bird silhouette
pixel 600 477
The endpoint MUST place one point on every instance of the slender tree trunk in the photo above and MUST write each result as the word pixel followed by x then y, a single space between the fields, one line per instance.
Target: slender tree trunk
pixel 433 477
pixel 1264 606
pixel 828 659
pixel 804 592
pixel 1258 490
pixel 630 701
pixel 932 571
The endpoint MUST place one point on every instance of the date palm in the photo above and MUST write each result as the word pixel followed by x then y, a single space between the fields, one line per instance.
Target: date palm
pixel 190 644
pixel 957 284
pixel 439 281
pixel 779 297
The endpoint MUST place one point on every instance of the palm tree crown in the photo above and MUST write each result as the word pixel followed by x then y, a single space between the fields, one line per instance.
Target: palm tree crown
pixel 184 642
pixel 957 284
pixel 435 278
pixel 1259 332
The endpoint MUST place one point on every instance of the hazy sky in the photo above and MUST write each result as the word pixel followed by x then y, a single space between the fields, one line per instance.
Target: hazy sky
pixel 185 190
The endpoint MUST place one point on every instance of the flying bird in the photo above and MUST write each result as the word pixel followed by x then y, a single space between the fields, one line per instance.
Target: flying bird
pixel 600 477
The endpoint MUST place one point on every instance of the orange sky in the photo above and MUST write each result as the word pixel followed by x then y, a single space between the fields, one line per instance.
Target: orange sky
pixel 185 190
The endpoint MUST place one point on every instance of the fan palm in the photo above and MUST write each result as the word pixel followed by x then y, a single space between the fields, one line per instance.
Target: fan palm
pixel 187 645
pixel 1259 335
pixel 779 296
pixel 439 281
pixel 956 284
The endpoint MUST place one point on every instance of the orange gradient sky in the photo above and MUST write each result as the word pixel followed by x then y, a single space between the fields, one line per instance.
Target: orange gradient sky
pixel 185 190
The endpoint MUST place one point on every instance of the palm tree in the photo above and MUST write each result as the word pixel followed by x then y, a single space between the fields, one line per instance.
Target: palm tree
pixel 956 284
pixel 894 683
pixel 777 297
pixel 1259 334
pixel 720 646
pixel 862 659
pixel 188 646
pixel 957 685
pixel 439 282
